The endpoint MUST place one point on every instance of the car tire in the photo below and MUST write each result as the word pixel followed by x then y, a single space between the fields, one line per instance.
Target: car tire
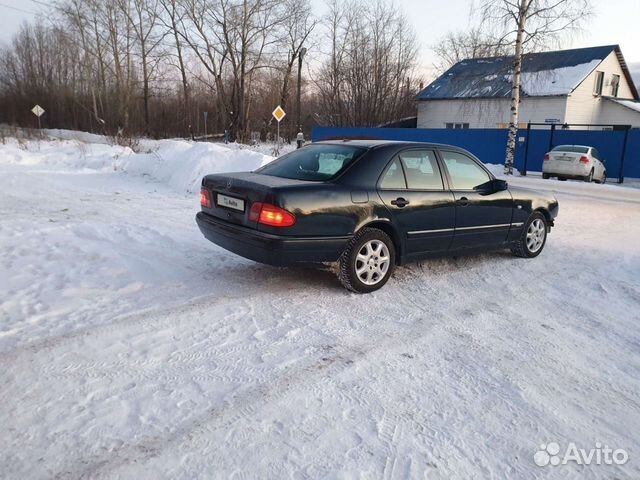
pixel 532 240
pixel 589 178
pixel 367 262
pixel 562 179
pixel 604 179
pixel 545 176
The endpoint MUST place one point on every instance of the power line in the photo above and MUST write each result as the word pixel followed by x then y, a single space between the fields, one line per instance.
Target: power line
pixel 44 4
pixel 18 9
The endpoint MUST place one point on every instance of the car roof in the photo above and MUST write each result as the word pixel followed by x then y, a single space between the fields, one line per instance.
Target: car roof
pixel 370 143
pixel 581 146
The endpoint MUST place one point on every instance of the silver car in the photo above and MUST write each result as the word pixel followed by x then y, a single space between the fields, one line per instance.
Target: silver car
pixel 574 161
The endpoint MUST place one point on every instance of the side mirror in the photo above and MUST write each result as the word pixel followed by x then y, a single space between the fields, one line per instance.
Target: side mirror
pixel 500 185
pixel 492 186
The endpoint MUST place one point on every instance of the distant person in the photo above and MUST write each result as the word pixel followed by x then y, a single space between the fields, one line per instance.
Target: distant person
pixel 300 138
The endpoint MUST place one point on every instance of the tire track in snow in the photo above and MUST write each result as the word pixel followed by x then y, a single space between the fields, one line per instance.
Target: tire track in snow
pixel 199 433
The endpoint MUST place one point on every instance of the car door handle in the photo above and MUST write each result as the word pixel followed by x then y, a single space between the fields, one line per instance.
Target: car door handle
pixel 463 201
pixel 400 202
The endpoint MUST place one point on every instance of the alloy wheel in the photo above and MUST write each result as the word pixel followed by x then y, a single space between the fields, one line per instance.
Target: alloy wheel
pixel 536 234
pixel 372 262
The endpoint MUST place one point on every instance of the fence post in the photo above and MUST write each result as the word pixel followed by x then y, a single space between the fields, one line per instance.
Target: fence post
pixel 526 151
pixel 624 153
pixel 553 129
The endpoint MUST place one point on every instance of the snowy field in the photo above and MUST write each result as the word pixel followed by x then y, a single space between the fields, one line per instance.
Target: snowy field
pixel 131 347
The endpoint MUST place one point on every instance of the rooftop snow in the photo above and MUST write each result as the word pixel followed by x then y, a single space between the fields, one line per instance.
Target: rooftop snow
pixel 543 74
pixel 632 104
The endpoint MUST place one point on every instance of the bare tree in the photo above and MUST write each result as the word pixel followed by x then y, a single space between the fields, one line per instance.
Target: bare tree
pixel 299 25
pixel 367 76
pixel 143 19
pixel 530 24
pixel 172 19
pixel 472 43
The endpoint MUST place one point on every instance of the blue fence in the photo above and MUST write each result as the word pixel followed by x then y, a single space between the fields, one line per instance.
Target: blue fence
pixel 489 144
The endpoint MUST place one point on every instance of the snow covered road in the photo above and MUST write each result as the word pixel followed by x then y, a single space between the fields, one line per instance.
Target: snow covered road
pixel 130 347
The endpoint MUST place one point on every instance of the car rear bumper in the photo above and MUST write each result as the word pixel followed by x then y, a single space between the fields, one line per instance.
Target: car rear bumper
pixel 565 169
pixel 267 248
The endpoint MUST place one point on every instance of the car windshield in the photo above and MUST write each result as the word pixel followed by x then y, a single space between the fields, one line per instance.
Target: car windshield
pixel 570 149
pixel 316 162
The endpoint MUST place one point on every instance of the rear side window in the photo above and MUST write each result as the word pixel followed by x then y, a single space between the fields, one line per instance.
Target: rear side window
pixel 393 178
pixel 316 162
pixel 570 149
pixel 465 173
pixel 595 153
pixel 421 169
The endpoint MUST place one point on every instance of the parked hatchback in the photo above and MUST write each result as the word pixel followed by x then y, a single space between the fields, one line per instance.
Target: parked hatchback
pixel 371 205
pixel 578 162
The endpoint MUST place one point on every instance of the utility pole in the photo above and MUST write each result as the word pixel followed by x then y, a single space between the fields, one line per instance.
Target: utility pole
pixel 206 114
pixel 301 55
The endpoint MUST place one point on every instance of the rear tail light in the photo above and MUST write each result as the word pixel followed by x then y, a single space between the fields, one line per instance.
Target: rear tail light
pixel 205 198
pixel 271 215
pixel 546 157
pixel 584 159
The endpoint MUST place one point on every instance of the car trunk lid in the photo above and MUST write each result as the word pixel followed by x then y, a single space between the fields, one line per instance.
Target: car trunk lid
pixel 566 157
pixel 232 194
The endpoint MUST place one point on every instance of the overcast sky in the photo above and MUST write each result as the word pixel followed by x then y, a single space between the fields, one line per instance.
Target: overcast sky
pixel 614 22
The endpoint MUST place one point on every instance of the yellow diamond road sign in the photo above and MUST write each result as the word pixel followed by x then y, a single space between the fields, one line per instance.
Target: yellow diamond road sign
pixel 37 111
pixel 278 113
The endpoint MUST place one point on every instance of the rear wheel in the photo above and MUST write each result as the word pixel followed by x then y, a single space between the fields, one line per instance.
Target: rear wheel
pixel 367 262
pixel 562 179
pixel 589 178
pixel 545 176
pixel 533 238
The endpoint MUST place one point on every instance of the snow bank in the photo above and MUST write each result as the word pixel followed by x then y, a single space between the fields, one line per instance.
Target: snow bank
pixel 177 163
pixel 182 164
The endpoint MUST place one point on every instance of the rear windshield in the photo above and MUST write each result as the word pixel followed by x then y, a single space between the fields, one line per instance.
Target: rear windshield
pixel 315 162
pixel 571 149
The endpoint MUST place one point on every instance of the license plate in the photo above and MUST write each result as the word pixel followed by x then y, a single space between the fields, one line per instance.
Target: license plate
pixel 230 202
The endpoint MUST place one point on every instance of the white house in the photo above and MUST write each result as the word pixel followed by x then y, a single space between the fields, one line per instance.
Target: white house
pixel 580 86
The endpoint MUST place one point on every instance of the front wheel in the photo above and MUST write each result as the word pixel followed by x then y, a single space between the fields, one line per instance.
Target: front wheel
pixel 545 176
pixel 533 238
pixel 367 262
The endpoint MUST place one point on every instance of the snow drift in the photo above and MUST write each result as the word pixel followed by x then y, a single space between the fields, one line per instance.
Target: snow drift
pixel 179 164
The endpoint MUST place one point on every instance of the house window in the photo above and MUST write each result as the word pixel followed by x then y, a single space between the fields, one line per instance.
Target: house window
pixel 456 125
pixel 449 125
pixel 615 83
pixel 597 89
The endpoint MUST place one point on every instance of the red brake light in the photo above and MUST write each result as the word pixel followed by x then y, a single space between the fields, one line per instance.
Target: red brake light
pixel 546 156
pixel 584 159
pixel 205 198
pixel 271 215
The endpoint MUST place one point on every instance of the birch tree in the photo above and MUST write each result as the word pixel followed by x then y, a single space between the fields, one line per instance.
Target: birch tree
pixel 530 24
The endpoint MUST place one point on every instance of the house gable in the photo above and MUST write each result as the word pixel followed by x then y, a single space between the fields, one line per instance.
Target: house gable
pixel 584 105
pixel 543 74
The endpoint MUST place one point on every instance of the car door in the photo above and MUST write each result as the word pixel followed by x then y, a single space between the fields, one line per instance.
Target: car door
pixel 483 213
pixel 412 188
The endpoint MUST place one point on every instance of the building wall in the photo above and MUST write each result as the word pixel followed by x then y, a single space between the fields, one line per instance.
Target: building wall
pixel 581 106
pixel 488 112
pixel 611 112
pixel 585 107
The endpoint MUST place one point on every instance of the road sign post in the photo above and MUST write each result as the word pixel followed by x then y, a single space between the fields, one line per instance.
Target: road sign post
pixel 38 111
pixel 278 114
